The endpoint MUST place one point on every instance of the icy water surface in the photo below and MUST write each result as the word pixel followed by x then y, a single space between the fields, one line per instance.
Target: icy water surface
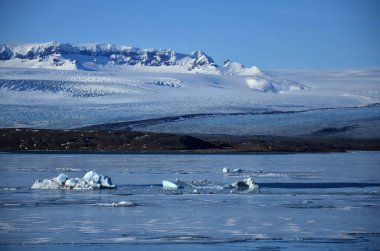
pixel 328 201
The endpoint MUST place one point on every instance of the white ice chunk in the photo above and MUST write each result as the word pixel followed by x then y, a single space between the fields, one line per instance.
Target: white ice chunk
pixel 85 184
pixel 71 182
pixel 91 176
pixel 61 179
pixel 248 183
pixel 46 184
pixel 37 185
pixel 105 181
pixel 124 204
pixel 91 180
pixel 225 170
pixel 170 185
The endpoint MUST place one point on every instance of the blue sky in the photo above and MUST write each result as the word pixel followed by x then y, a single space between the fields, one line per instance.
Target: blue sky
pixel 267 33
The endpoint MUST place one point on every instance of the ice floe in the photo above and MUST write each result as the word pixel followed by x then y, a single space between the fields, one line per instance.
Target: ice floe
pixel 197 185
pixel 91 180
pixel 170 185
pixel 226 170
pixel 248 184
pixel 124 204
pixel 117 204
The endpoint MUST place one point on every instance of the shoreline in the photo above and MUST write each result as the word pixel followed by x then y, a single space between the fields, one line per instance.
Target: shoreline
pixel 26 140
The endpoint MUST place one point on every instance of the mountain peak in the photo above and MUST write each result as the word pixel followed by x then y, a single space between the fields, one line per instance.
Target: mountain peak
pixel 235 68
pixel 66 56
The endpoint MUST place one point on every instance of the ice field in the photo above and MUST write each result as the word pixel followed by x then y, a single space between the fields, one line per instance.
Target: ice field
pixel 306 201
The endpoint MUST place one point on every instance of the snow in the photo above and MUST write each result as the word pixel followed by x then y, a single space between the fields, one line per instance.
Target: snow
pixel 259 84
pixel 234 68
pixel 110 57
pixel 60 56
pixel 91 180
pixel 43 98
pixel 164 83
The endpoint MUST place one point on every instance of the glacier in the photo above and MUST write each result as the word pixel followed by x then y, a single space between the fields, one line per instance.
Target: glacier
pixel 64 86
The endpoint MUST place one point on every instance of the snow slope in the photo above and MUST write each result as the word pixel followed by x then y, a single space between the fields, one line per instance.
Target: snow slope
pixel 67 99
pixel 111 83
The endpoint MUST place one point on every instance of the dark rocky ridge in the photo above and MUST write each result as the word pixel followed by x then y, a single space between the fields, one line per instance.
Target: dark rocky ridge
pixel 125 141
pixel 76 140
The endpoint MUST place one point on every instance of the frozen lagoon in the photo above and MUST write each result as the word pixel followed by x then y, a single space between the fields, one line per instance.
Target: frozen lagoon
pixel 306 202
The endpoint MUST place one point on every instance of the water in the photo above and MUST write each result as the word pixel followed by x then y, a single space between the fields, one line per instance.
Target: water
pixel 306 202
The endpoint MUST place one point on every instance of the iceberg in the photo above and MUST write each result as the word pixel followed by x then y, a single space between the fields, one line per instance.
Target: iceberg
pixel 91 180
pixel 117 204
pixel 170 185
pixel 61 179
pixel 248 184
pixel 124 204
pixel 71 183
pixel 46 184
pixel 91 176
pixel 196 185
pixel 226 170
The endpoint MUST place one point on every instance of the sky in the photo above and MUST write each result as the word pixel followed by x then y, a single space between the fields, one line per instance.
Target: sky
pixel 271 34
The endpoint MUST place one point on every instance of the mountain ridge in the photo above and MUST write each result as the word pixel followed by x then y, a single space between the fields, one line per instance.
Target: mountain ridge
pixel 67 56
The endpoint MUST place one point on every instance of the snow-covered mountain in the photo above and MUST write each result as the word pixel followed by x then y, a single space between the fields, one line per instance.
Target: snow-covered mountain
pixel 55 55
pixel 59 85
pixel 129 60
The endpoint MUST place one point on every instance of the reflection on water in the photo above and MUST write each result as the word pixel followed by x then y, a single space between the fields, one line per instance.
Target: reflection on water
pixel 317 200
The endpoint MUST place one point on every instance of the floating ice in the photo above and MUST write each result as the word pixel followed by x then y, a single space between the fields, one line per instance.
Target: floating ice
pixel 225 170
pixel 61 179
pixel 91 176
pixel 46 184
pixel 124 204
pixel 248 183
pixel 196 191
pixel 71 183
pixel 91 180
pixel 117 204
pixel 196 185
pixel 170 185
pixel 238 170
pixel 105 181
